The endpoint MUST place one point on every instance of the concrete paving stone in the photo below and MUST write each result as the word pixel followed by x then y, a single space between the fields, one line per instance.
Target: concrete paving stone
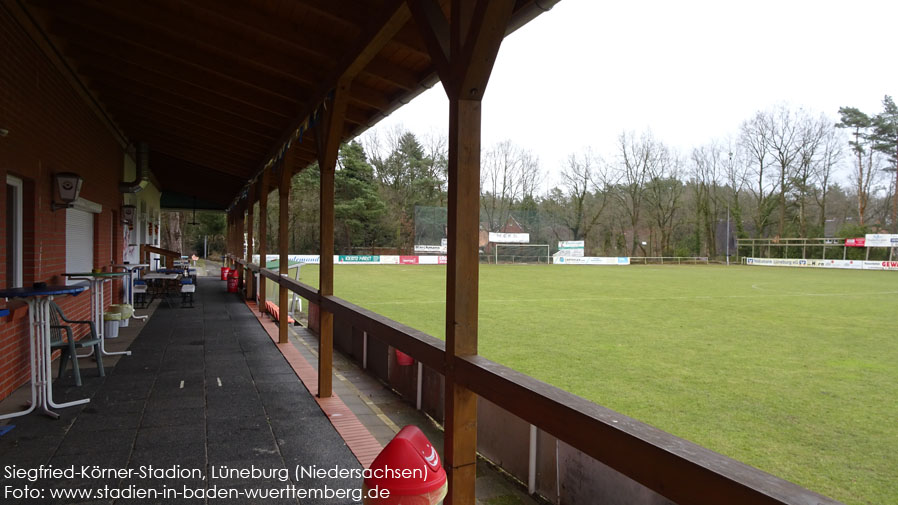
pixel 101 421
pixel 107 440
pixel 180 417
pixel 111 404
pixel 169 435
pixel 166 402
pixel 284 387
pixel 183 456
pixel 231 448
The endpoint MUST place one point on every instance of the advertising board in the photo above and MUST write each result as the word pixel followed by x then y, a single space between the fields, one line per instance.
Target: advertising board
pixel 591 260
pixel 509 238
pixel 881 240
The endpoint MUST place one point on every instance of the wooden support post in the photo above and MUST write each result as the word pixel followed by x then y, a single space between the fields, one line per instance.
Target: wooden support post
pixel 283 246
pixel 328 148
pixel 263 234
pixel 250 203
pixel 238 253
pixel 463 49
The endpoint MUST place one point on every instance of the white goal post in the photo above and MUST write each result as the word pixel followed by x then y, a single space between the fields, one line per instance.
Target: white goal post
pixel 540 248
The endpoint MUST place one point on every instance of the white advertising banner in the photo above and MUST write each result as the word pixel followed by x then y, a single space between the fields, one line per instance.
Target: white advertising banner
pixel 509 238
pixel 571 248
pixel 844 264
pixel 591 260
pixel 431 248
pixel 881 240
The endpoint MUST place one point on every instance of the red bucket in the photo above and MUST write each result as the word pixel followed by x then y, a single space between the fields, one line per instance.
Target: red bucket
pixel 224 273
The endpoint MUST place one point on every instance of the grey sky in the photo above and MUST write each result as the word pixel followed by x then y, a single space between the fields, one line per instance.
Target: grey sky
pixel 689 70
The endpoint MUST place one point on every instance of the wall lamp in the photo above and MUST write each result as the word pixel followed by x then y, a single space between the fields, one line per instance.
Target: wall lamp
pixel 128 214
pixel 68 186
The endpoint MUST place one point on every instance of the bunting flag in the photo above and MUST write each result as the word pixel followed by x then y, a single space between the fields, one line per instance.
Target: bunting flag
pixel 310 121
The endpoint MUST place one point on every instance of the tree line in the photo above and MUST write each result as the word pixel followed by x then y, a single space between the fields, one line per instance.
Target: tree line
pixel 788 172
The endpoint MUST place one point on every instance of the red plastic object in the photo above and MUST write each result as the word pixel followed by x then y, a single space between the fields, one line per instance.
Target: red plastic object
pixel 224 273
pixel 409 469
pixel 233 279
pixel 404 359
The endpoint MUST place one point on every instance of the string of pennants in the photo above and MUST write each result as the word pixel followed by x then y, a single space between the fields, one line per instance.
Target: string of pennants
pixel 309 122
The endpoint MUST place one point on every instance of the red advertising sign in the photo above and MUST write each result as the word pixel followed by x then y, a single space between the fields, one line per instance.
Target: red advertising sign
pixel 855 242
pixel 444 260
pixel 408 260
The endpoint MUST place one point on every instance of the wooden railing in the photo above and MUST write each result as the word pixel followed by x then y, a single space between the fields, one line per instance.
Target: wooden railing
pixel 680 470
pixel 170 256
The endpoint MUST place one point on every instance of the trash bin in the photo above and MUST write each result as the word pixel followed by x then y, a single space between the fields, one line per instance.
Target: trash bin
pixel 224 273
pixel 409 453
pixel 233 280
pixel 126 310
pixel 111 322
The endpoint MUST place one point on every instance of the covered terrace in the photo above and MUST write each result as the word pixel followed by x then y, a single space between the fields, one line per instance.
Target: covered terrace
pixel 231 99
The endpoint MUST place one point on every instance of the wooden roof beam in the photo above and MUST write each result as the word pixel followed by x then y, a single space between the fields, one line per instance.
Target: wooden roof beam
pixel 376 34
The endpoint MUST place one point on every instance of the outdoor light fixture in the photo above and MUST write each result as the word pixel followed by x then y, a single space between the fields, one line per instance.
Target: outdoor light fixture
pixel 128 214
pixel 68 186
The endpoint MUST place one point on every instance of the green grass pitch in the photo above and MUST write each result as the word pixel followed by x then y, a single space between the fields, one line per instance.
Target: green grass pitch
pixel 793 371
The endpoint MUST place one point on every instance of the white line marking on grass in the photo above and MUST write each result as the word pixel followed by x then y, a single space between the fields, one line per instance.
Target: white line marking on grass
pixel 637 298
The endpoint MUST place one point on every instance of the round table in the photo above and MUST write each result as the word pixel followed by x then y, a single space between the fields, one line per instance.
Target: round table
pixel 96 280
pixel 38 300
pixel 132 269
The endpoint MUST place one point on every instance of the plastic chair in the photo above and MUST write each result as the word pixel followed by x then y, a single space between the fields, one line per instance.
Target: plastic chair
pixel 187 290
pixel 140 293
pixel 69 345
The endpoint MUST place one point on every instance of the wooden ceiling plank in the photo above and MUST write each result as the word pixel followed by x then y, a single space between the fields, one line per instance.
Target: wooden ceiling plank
pixel 284 30
pixel 208 147
pixel 388 71
pixel 200 78
pixel 200 130
pixel 186 87
pixel 126 98
pixel 176 95
pixel 149 24
pixel 164 54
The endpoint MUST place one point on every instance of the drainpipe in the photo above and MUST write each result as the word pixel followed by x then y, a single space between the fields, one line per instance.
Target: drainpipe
pixel 143 171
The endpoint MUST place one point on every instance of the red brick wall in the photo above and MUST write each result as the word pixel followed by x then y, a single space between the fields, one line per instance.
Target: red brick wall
pixel 51 129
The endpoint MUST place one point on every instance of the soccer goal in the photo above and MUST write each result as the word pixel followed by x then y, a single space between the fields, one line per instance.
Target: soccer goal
pixel 521 253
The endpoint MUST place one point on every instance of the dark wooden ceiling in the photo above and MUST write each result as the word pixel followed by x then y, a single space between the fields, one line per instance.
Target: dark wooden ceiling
pixel 215 87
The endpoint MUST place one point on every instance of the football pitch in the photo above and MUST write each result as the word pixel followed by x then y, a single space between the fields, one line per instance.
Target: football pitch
pixel 793 371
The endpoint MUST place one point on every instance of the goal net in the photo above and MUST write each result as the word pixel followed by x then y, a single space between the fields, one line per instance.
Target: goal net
pixel 521 253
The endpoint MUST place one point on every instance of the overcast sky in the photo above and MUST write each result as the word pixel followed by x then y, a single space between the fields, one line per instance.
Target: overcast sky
pixel 689 70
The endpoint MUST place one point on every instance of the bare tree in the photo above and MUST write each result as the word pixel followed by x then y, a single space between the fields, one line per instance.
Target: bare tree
pixel 753 139
pixel 637 158
pixel 508 174
pixel 811 140
pixel 707 165
pixel 830 157
pixel 663 195
pixel 783 139
pixel 583 196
